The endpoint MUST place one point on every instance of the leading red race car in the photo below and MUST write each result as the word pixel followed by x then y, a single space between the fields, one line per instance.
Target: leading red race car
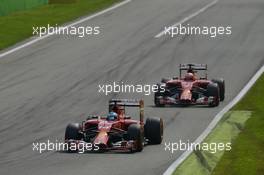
pixel 117 131
pixel 190 89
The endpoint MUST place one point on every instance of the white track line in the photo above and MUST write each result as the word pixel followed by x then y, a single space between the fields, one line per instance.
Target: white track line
pixel 214 122
pixel 71 24
pixel 187 18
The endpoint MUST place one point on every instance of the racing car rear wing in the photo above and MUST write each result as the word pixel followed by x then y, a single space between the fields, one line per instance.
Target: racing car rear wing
pixel 193 68
pixel 129 103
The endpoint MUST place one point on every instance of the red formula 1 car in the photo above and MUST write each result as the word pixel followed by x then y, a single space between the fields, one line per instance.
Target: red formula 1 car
pixel 117 131
pixel 190 89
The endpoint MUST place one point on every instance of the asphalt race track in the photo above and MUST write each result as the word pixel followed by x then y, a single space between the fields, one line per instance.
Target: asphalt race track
pixel 47 85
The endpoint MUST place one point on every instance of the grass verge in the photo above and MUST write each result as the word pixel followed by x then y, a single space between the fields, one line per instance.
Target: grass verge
pixel 247 137
pixel 247 154
pixel 18 26
pixel 204 160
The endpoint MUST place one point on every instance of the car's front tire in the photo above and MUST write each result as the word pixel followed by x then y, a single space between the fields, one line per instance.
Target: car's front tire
pixel 154 130
pixel 156 99
pixel 157 95
pixel 221 85
pixel 213 91
pixel 72 133
pixel 135 133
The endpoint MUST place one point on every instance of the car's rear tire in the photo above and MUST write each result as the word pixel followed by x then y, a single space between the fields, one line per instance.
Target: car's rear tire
pixel 213 91
pixel 221 85
pixel 135 133
pixel 154 130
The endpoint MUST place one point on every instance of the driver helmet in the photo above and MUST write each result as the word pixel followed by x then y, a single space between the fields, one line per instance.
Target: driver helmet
pixel 189 76
pixel 112 116
pixel 117 109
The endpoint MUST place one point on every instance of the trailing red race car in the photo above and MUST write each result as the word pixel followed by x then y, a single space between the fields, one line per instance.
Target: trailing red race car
pixel 190 89
pixel 117 131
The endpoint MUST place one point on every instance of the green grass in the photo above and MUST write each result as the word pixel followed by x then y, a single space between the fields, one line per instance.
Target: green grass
pixel 247 154
pixel 18 26
pixel 204 161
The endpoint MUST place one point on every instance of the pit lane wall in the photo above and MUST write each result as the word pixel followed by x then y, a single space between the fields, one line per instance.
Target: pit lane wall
pixel 201 162
pixel 9 6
